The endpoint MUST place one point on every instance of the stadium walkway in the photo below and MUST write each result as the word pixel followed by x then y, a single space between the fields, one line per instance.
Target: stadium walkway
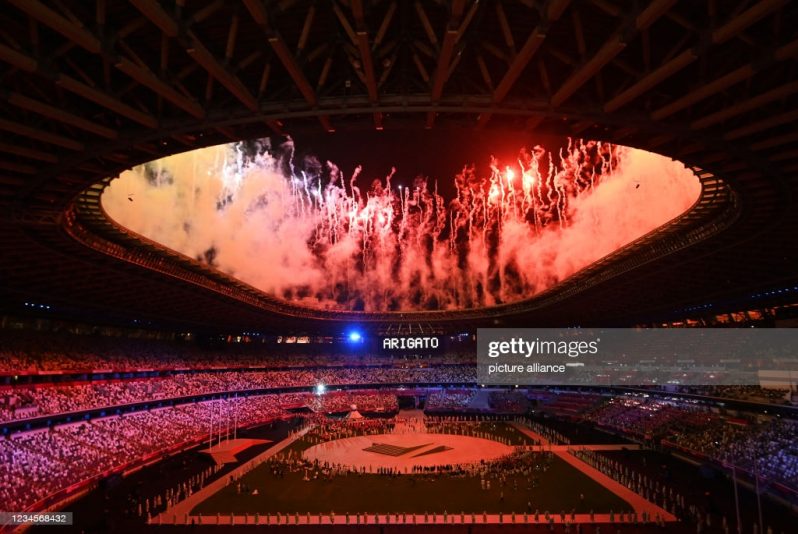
pixel 638 503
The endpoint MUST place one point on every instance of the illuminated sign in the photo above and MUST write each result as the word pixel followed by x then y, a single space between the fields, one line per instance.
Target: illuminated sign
pixel 410 343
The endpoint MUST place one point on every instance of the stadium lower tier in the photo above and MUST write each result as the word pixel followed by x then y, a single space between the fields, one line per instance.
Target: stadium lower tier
pixel 347 473
pixel 47 465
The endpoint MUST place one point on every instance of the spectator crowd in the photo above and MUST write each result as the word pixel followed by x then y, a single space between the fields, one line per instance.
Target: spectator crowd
pixel 24 402
pixel 39 463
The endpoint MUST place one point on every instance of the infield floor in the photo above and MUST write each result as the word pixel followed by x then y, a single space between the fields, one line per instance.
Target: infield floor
pixel 566 486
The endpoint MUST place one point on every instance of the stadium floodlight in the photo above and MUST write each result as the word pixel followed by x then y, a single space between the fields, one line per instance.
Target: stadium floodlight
pixel 320 389
pixel 355 337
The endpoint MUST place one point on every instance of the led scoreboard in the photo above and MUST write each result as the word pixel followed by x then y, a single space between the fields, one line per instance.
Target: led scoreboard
pixel 411 344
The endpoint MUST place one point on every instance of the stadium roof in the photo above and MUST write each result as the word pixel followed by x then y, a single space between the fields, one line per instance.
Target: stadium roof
pixel 93 88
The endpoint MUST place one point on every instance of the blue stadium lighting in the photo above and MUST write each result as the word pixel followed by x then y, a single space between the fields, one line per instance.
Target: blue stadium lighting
pixel 320 389
pixel 355 337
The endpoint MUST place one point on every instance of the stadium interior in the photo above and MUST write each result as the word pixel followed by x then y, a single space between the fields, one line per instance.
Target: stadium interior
pixel 253 252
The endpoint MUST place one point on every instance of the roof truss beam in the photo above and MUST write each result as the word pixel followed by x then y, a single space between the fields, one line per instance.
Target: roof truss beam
pixel 29 153
pixel 362 38
pixel 156 14
pixel 723 82
pixel 81 37
pixel 554 11
pixel 58 114
pixel 685 58
pixel 442 69
pixel 610 50
pixel 105 100
pixel 52 19
pixel 154 83
pixel 40 135
pixel 748 105
pixel 261 18
pixel 765 124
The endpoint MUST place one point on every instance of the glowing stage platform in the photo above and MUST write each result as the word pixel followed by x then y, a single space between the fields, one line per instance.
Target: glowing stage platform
pixel 422 449
pixel 225 452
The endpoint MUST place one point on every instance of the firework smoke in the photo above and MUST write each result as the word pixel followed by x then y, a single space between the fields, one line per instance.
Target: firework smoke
pixel 311 235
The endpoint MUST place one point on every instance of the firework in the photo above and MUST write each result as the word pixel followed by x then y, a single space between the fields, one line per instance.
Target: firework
pixel 312 235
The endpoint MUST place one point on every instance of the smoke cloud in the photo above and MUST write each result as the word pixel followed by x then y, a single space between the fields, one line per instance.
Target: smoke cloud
pixel 308 233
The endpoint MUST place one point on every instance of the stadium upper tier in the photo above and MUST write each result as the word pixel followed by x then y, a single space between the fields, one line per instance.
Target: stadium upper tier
pixel 51 374
pixel 23 353
pixel 21 402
